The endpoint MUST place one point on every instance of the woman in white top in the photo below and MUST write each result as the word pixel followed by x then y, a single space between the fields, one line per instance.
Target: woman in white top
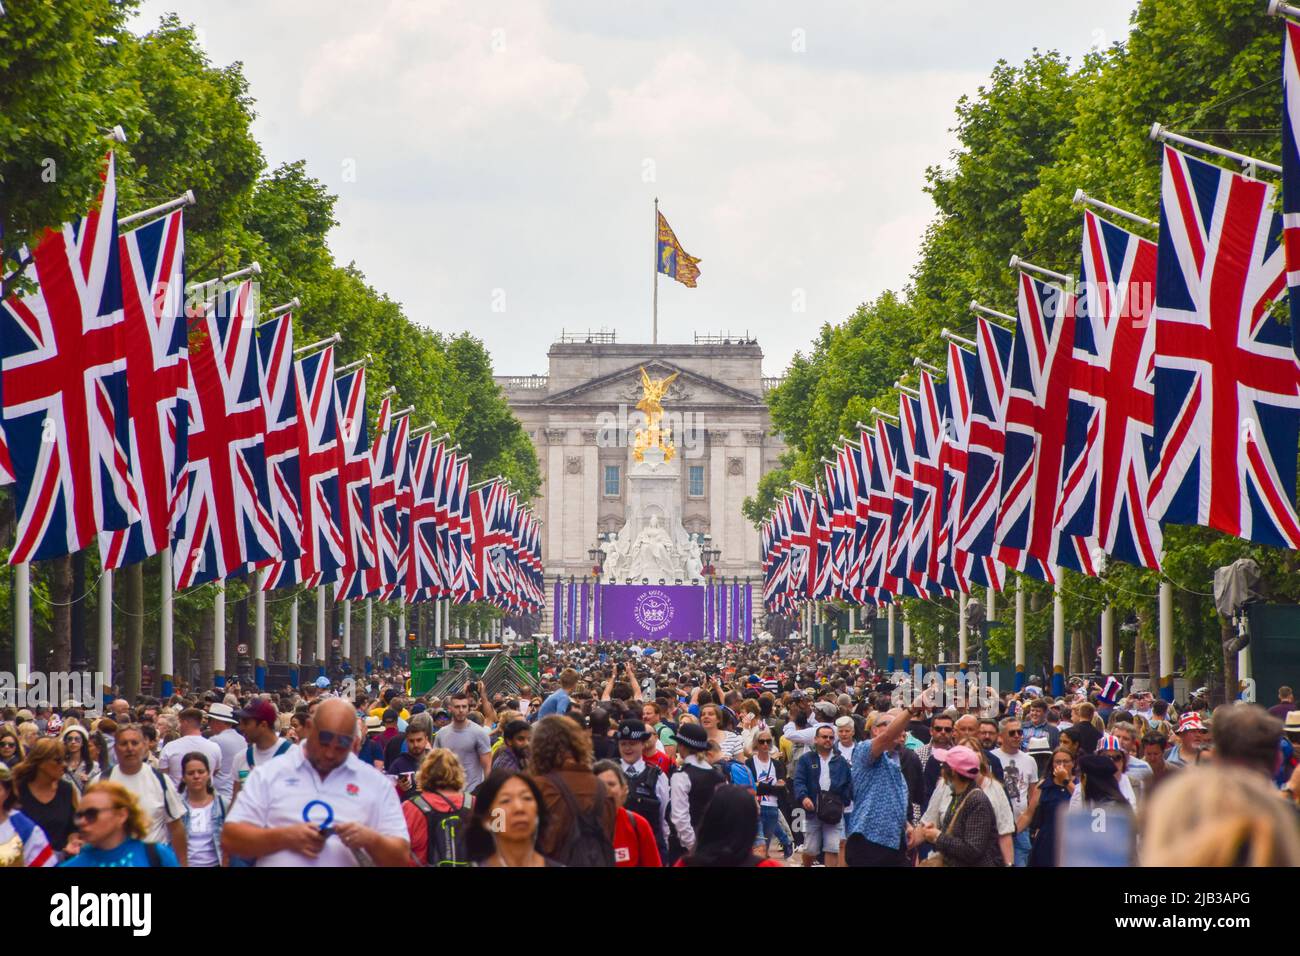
pixel 205 812
pixel 711 720
pixel 997 795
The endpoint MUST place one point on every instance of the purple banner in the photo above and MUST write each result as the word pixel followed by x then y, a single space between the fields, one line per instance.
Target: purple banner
pixel 595 612
pixel 749 612
pixel 571 612
pixel 584 628
pixel 709 610
pixel 557 613
pixel 640 612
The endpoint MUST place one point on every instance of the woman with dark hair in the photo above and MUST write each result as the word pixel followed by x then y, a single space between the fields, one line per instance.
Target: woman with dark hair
pixel 1099 777
pixel 44 792
pixel 81 770
pixel 603 746
pixel 1045 806
pixel 11 749
pixel 205 812
pixel 99 749
pixel 509 816
pixel 560 763
pixel 725 836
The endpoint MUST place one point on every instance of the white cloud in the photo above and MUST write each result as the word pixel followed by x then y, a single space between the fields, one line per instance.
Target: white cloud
pixel 503 145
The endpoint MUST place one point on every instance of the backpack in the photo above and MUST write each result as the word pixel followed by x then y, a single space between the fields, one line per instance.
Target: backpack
pixel 446 831
pixel 152 855
pixel 587 843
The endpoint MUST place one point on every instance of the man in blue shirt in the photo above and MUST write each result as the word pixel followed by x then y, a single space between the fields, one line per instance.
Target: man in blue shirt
pixel 877 830
pixel 558 702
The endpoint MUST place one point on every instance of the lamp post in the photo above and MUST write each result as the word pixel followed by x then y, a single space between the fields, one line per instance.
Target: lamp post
pixel 597 556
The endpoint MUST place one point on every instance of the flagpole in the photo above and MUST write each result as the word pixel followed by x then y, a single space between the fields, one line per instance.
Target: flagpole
pixel 166 654
pixel 654 328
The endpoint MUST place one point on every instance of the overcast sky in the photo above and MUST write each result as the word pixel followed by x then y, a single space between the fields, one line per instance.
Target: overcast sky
pixel 497 162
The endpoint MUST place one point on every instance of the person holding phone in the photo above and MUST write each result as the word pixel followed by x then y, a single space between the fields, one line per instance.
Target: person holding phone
pixel 419 733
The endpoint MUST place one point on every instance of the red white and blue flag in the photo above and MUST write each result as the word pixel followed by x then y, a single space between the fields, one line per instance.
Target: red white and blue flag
pixel 152 260
pixel 280 401
pixel 355 478
pixel 63 355
pixel 224 518
pixel 1227 382
pixel 965 567
pixel 1036 410
pixel 1112 394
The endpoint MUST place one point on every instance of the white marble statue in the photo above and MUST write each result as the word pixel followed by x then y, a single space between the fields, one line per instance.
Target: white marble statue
pixel 653 555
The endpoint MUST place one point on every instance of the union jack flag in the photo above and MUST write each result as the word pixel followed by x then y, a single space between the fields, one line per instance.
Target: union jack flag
pixel 799 544
pixel 425 461
pixel 1038 398
pixel 225 520
pixel 388 461
pixel 985 445
pixel 320 460
pixel 911 583
pixel 819 580
pixel 280 400
pixel 777 584
pixel 356 520
pixel 1227 384
pixel 465 582
pixel 837 504
pixel 928 482
pixel 63 353
pixel 963 372
pixel 489 539
pixel 1109 431
pixel 152 260
pixel 884 468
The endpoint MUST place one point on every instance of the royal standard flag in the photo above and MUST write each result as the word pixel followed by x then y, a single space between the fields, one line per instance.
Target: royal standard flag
pixel 673 259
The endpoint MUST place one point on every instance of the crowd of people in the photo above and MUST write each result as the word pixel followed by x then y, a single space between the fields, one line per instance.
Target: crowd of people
pixel 770 754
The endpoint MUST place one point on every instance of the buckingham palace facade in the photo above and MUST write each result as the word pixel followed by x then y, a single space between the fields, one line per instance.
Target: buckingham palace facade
pixel 581 417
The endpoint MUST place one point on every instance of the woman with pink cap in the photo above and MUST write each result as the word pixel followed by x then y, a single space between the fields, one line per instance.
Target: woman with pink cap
pixel 968 833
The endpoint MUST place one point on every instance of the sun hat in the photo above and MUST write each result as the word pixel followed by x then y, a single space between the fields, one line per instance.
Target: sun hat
pixel 961 760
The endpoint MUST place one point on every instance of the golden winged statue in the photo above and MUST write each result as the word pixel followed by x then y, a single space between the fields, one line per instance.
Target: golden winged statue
pixel 652 393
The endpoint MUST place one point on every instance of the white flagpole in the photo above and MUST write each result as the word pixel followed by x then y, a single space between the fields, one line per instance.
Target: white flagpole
pixel 1058 640
pixel 963 632
pixel 293 641
pixel 23 626
pixel 1166 675
pixel 347 628
pixel 320 627
pixel 369 640
pixel 106 624
pixel 219 636
pixel 1020 634
pixel 654 328
pixel 166 647
pixel 259 631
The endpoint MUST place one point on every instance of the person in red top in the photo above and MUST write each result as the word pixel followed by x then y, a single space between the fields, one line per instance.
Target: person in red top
pixel 634 841
pixel 439 801
pixel 725 836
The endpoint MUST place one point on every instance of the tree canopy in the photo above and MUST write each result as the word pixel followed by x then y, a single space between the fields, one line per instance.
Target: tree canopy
pixel 1028 138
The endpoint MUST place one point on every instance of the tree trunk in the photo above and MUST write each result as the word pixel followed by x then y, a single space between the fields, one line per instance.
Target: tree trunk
pixel 132 578
pixel 205 646
pixel 61 597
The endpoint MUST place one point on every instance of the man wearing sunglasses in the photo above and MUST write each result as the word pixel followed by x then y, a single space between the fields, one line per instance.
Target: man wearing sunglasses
pixel 1020 778
pixel 319 805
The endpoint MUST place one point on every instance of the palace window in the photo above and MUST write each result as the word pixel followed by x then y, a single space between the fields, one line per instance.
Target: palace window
pixel 612 484
pixel 695 478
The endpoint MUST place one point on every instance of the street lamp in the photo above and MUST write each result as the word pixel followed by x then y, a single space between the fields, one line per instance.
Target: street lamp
pixel 597 557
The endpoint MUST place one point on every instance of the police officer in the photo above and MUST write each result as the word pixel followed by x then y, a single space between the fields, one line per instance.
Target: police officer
pixel 647 792
pixel 691 787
